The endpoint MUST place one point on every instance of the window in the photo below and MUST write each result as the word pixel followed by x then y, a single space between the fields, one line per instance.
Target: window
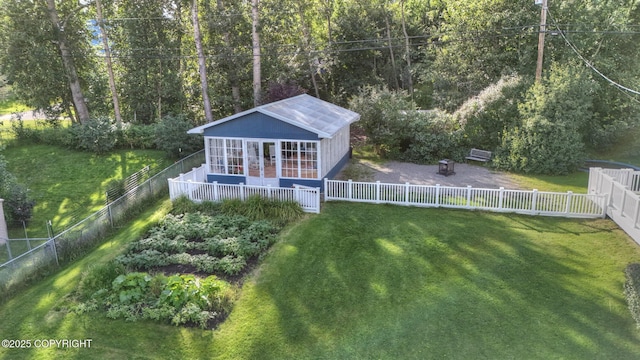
pixel 234 156
pixel 225 156
pixel 300 159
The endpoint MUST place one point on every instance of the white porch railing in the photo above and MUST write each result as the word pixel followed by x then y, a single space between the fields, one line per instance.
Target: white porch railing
pixel 193 186
pixel 500 200
pixel 621 186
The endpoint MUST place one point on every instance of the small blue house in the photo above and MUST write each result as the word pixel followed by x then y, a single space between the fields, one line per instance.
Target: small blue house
pixel 299 140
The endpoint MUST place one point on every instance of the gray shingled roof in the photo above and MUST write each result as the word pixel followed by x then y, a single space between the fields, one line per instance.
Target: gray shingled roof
pixel 304 111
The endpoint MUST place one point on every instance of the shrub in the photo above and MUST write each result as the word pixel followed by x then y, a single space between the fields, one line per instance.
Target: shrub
pixel 554 122
pixel 98 277
pixel 18 206
pixel 484 117
pixel 138 136
pixel 115 189
pixel 431 136
pixel 632 290
pixel 260 208
pixel 96 135
pixel 18 203
pixel 541 147
pixel 171 137
pixel 383 118
pixel 183 205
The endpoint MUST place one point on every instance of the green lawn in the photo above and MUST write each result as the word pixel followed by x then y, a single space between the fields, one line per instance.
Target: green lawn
pixel 627 150
pixel 376 281
pixel 11 106
pixel 68 185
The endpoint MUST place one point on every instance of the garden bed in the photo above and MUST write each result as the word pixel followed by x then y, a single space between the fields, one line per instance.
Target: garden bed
pixel 187 270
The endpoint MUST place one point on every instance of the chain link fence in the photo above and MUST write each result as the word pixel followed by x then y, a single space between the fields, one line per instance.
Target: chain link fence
pixel 75 241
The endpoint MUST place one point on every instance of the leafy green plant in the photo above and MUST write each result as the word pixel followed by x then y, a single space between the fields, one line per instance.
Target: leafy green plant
pixel 97 135
pixel 131 288
pixel 171 137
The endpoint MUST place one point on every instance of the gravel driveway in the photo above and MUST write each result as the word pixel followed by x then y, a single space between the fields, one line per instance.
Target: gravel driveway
pixel 477 176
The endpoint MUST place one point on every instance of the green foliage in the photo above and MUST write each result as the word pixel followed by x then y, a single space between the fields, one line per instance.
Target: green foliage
pixel 383 117
pixel 183 205
pixel 171 137
pixel 98 135
pixel 31 58
pixel 554 120
pixel 260 208
pixel 632 290
pixel 115 189
pixel 486 116
pixel 131 288
pixel 541 147
pixel 211 244
pixel 432 136
pixel 18 206
pixel 179 299
pixel 137 136
pixel 98 277
pixel 398 131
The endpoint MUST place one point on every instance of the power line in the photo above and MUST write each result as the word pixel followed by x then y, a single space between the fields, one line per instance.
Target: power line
pixel 575 50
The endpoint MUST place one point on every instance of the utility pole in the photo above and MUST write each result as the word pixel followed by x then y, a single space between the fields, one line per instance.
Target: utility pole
pixel 543 30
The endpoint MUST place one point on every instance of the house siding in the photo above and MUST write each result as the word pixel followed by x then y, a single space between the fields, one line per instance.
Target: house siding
pixel 260 126
pixel 226 179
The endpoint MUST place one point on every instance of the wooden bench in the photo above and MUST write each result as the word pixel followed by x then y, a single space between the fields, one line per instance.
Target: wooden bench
pixel 479 155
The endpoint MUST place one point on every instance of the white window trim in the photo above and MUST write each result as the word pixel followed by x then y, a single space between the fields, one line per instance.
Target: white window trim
pixel 279 162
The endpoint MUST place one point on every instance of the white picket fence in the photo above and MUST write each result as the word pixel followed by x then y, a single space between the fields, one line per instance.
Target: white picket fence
pixel 500 200
pixel 193 186
pixel 622 188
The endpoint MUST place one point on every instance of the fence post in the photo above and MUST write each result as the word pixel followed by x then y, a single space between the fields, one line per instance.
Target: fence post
pixel 242 191
pixel 317 206
pixel 569 198
pixel 626 174
pixel 406 193
pixel 437 195
pixel 216 197
pixel 326 189
pixel 269 192
pixel 598 180
pixel 378 192
pixel 350 189
pixel 501 198
pixel 624 200
pixel 534 199
pixel 636 216
pixel 55 250
pixel 9 249
pixel 189 190
pixel 613 185
pixel 110 215
pixel 469 196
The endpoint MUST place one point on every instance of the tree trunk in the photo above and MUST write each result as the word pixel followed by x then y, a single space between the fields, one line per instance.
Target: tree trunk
pixel 107 53
pixel 233 79
pixel 257 80
pixel 70 68
pixel 202 67
pixel 307 48
pixel 407 49
pixel 393 60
